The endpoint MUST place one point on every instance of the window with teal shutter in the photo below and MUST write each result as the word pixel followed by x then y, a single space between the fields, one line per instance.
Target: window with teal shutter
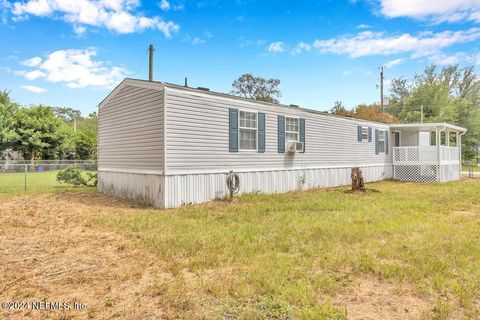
pixel 261 132
pixel 281 134
pixel 386 141
pixel 233 130
pixel 302 134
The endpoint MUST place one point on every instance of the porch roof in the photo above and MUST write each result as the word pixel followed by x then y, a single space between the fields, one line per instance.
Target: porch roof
pixel 428 126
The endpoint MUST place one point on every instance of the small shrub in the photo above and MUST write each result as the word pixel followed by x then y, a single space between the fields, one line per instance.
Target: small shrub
pixel 92 179
pixel 71 175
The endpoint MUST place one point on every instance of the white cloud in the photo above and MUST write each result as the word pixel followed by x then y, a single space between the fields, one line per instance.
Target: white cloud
pixel 115 15
pixel 77 69
pixel 208 34
pixel 247 42
pixel 164 5
pixel 34 89
pixel 363 26
pixel 4 9
pixel 32 62
pixel 197 40
pixel 79 30
pixel 276 47
pixel 193 40
pixel 379 43
pixel 179 7
pixel 35 74
pixel 476 59
pixel 301 47
pixel 443 59
pixel 436 11
pixel 391 64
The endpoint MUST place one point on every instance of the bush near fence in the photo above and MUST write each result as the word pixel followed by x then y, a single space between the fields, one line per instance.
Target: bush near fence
pixel 38 175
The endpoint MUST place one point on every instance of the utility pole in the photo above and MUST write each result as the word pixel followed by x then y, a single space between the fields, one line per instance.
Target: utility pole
pixel 381 89
pixel 150 62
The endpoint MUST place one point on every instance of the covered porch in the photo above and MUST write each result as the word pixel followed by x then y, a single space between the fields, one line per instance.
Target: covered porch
pixel 427 152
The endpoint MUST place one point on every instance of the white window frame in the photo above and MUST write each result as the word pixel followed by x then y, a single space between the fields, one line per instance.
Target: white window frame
pixel 433 134
pixel 245 128
pixel 399 137
pixel 364 135
pixel 380 133
pixel 297 132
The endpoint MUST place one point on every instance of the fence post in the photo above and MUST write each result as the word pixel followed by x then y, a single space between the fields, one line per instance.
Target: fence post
pixel 25 180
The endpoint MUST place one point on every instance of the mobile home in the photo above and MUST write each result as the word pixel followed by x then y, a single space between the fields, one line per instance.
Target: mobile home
pixel 169 145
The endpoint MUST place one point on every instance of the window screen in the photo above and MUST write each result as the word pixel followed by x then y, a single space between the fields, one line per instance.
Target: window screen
pixel 248 130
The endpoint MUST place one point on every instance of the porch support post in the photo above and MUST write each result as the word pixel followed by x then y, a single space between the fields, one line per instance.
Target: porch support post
pixel 459 144
pixel 438 153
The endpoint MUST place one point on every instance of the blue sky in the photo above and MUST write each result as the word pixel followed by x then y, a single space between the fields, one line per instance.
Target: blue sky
pixel 72 53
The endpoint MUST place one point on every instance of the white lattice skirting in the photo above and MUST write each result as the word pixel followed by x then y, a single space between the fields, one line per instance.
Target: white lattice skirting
pixel 426 172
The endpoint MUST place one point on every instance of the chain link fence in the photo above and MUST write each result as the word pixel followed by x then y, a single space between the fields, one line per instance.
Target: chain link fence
pixel 38 175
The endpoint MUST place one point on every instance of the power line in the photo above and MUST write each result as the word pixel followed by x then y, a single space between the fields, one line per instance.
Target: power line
pixel 141 63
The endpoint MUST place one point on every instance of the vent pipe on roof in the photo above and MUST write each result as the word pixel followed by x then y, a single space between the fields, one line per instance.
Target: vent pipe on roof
pixel 186 82
pixel 150 62
pixel 203 88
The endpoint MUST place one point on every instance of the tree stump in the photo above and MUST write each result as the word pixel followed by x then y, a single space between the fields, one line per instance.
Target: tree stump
pixel 358 184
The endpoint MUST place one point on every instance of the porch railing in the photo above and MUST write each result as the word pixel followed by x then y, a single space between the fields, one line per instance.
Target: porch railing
pixel 415 155
pixel 449 154
pixel 425 155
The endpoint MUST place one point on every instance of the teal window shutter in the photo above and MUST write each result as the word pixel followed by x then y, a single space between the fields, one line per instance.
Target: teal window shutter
pixel 369 134
pixel 233 129
pixel 281 134
pixel 386 141
pixel 261 132
pixel 302 133
pixel 376 141
pixel 359 133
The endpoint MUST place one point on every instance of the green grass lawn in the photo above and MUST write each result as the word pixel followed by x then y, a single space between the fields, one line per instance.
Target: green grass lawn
pixel 274 256
pixel 475 168
pixel 36 182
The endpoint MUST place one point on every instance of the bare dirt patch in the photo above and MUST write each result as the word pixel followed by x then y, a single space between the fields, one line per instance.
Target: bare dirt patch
pixel 51 252
pixel 369 298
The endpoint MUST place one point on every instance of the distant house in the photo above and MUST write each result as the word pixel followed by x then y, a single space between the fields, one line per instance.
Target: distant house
pixel 168 145
pixel 12 155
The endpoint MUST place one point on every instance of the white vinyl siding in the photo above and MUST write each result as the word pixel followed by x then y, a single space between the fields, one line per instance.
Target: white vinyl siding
pixel 248 128
pixel 195 143
pixel 292 129
pixel 131 130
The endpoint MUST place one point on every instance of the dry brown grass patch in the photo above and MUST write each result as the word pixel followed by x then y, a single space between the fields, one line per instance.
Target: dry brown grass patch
pixel 369 298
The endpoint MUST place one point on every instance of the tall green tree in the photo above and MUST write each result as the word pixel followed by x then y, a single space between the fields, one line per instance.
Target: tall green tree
pixel 85 145
pixel 8 110
pixel 448 94
pixel 66 114
pixel 257 88
pixel 38 134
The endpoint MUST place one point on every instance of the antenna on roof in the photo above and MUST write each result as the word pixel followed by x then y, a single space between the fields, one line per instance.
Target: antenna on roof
pixel 150 62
